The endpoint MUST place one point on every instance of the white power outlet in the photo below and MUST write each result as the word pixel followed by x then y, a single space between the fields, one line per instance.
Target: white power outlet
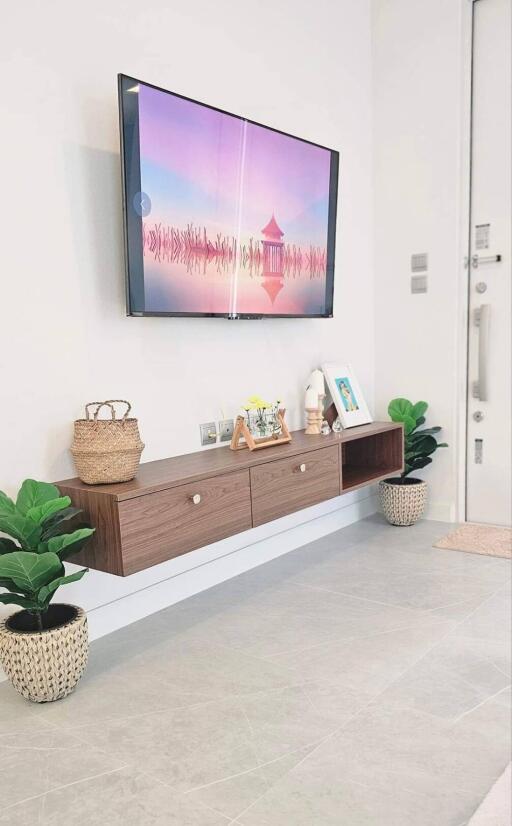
pixel 226 430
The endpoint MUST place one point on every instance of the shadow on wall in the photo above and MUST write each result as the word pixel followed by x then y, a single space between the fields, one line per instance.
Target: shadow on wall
pixel 93 180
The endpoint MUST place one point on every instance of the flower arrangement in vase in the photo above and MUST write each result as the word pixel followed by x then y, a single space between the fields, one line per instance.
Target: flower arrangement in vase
pixel 261 425
pixel 262 417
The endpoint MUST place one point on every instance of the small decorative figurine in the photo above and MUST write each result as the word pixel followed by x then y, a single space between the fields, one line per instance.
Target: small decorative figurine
pixel 325 428
pixel 337 427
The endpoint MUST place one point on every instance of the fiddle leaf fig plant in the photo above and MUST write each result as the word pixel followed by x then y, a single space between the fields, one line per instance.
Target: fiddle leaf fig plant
pixel 38 542
pixel 419 445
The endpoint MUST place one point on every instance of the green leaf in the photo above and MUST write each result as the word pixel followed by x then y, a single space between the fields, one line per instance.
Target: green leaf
pixel 16 599
pixel 399 410
pixel 7 506
pixel 425 446
pixel 419 409
pixel 32 494
pixel 409 425
pixel 420 462
pixel 9 585
pixel 30 571
pixel 39 513
pixel 442 444
pixel 7 546
pixel 24 530
pixel 57 523
pixel 69 543
pixel 427 431
pixel 46 591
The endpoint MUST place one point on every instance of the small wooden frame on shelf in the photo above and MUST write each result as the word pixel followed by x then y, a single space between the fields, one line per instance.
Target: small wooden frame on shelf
pixel 241 431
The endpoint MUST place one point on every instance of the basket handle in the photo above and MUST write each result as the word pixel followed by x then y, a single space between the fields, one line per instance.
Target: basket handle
pixel 95 415
pixel 119 401
pixel 105 404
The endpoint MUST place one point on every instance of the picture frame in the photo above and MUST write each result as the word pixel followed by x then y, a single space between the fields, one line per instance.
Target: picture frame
pixel 346 394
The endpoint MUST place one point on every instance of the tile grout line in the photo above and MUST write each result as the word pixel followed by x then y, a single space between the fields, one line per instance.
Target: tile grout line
pixel 217 812
pixel 479 705
pixel 249 771
pixel 446 671
pixel 64 786
pixel 270 658
pixel 498 669
pixel 360 599
pixel 426 611
pixel 424 774
pixel 167 710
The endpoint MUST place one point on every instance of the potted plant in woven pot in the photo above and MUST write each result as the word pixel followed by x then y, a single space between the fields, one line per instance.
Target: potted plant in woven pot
pixel 44 647
pixel 403 498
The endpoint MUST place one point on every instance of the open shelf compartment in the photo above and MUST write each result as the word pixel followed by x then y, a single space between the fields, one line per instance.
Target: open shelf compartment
pixel 371 458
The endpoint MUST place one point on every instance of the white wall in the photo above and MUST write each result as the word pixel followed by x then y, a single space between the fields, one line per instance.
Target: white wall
pixel 419 50
pixel 302 67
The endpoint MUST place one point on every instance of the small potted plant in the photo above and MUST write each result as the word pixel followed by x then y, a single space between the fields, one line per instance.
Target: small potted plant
pixel 44 647
pixel 403 498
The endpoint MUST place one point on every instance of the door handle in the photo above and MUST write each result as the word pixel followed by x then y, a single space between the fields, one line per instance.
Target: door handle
pixel 486 259
pixel 482 317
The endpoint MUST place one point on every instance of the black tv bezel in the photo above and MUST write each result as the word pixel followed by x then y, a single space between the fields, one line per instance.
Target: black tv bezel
pixel 132 223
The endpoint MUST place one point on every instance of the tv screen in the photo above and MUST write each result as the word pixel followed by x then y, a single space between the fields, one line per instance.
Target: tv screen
pixel 223 216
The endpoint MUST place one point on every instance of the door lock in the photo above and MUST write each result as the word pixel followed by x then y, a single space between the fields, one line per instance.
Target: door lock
pixel 478 415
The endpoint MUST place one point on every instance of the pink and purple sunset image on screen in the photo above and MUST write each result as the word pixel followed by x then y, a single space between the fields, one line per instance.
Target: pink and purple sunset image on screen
pixel 239 213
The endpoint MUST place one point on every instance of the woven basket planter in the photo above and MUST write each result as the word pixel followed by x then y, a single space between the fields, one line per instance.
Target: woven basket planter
pixel 45 665
pixel 403 504
pixel 106 450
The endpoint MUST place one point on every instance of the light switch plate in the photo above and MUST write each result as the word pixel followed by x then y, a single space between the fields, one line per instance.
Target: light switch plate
pixel 208 433
pixel 226 430
pixel 419 262
pixel 419 284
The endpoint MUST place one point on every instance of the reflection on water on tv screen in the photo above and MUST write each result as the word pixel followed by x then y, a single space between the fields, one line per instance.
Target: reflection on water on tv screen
pixel 189 270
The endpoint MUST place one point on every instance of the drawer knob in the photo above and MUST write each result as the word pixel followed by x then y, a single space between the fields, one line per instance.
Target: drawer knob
pixel 196 498
pixel 302 468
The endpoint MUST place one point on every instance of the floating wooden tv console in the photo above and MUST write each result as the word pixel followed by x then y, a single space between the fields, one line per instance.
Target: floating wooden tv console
pixel 177 505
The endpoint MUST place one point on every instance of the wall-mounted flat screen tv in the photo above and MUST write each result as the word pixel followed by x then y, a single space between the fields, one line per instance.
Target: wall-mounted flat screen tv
pixel 223 216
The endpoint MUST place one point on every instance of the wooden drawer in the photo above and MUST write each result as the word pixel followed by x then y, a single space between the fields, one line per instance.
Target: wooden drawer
pixel 281 487
pixel 160 526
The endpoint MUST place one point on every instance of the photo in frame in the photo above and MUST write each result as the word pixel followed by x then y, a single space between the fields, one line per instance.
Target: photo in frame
pixel 346 394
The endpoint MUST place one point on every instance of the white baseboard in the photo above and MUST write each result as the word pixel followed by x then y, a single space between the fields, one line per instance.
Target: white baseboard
pixel 114 602
pixel 441 512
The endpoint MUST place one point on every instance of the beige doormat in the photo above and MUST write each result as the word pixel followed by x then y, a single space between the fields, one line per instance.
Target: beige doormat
pixel 479 539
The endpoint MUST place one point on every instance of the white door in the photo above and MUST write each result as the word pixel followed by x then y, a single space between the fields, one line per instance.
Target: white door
pixel 489 448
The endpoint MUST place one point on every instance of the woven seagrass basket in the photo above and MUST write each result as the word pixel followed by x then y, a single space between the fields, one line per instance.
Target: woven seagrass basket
pixel 403 504
pixel 46 665
pixel 106 450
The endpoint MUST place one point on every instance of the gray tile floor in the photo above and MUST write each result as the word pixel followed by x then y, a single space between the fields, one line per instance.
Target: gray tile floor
pixel 362 680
